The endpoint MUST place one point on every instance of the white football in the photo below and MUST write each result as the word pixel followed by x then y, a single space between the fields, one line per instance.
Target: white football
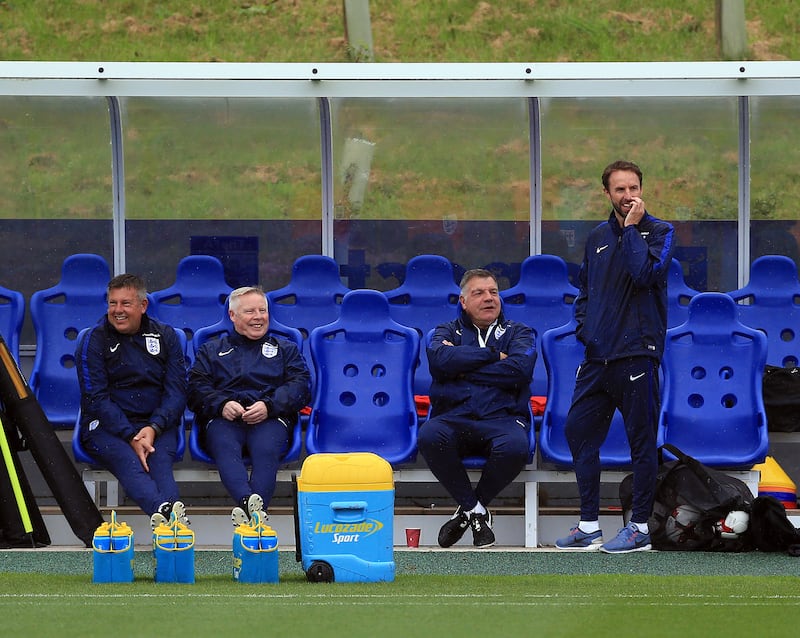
pixel 734 524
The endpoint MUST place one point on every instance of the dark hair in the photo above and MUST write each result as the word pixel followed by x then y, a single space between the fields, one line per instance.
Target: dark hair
pixel 129 281
pixel 475 272
pixel 620 165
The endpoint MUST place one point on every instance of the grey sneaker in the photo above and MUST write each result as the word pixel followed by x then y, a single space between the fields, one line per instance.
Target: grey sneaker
pixel 178 514
pixel 256 504
pixel 239 517
pixel 580 541
pixel 629 539
pixel 157 519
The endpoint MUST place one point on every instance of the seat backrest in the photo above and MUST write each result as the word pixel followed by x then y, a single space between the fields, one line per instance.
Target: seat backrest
pixel 712 407
pixel 195 299
pixel 363 400
pixel 58 315
pixel 312 298
pixel 12 314
pixel 427 297
pixel 679 294
pixel 563 353
pixel 770 302
pixel 542 299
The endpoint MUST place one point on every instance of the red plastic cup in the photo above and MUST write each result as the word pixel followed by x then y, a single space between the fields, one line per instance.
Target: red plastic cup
pixel 412 536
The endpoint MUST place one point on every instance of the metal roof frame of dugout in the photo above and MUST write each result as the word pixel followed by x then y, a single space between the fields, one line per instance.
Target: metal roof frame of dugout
pixel 325 81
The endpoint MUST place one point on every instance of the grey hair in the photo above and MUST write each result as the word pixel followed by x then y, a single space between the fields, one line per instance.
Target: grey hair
pixel 233 298
pixel 472 274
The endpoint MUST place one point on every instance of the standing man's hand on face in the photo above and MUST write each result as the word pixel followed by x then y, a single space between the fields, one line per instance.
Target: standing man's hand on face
pixel 636 213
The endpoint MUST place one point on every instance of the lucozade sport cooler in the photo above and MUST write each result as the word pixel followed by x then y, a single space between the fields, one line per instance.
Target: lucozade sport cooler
pixel 346 517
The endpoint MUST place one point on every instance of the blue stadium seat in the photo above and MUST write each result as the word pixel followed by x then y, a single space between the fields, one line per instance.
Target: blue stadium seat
pixel 312 298
pixel 679 294
pixel 542 299
pixel 196 299
pixel 427 297
pixel 363 400
pixel 58 314
pixel 82 455
pixel 712 407
pixel 770 302
pixel 12 314
pixel 225 327
pixel 563 353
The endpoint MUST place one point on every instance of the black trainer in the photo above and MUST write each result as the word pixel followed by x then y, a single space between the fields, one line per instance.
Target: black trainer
pixel 482 534
pixel 452 531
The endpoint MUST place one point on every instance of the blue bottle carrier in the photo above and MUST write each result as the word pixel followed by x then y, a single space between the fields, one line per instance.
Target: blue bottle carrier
pixel 345 518
pixel 112 546
pixel 255 552
pixel 173 550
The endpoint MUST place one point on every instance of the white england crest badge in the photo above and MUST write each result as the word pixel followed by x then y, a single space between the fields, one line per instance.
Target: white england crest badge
pixel 269 350
pixel 153 345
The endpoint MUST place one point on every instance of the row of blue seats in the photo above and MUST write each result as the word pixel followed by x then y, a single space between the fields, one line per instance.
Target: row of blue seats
pixel 542 298
pixel 711 402
pixel 428 296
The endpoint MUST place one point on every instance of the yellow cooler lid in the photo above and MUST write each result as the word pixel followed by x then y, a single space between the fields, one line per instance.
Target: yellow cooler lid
pixel 354 471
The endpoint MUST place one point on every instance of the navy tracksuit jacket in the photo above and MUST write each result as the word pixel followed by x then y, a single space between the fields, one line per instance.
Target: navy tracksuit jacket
pixel 621 314
pixel 128 382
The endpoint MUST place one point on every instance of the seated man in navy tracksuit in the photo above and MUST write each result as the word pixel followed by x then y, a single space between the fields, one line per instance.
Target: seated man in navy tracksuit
pixel 132 376
pixel 481 365
pixel 246 390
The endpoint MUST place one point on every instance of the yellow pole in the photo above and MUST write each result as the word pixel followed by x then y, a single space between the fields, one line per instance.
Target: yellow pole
pixel 12 475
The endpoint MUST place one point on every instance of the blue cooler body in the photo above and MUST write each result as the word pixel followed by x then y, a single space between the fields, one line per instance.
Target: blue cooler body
pixel 345 516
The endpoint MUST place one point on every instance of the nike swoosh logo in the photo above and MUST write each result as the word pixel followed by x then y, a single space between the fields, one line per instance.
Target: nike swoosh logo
pixel 601 248
pixel 114 348
pixel 638 376
pixel 222 354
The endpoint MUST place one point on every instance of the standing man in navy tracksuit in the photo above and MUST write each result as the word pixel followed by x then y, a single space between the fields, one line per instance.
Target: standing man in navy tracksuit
pixel 246 390
pixel 481 365
pixel 621 312
pixel 132 376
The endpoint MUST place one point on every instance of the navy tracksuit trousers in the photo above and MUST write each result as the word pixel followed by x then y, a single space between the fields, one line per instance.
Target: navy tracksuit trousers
pixel 445 440
pixel 147 489
pixel 265 443
pixel 632 386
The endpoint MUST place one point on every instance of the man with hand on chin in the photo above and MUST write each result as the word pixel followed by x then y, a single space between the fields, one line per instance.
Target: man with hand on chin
pixel 621 314
pixel 132 376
